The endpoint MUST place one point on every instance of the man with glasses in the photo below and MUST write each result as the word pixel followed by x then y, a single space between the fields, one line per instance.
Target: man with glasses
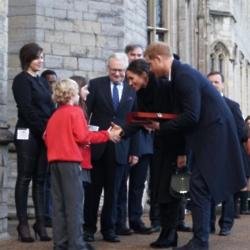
pixel 110 99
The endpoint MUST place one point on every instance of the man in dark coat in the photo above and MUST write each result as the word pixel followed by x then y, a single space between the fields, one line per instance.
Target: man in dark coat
pixel 110 99
pixel 210 133
pixel 227 216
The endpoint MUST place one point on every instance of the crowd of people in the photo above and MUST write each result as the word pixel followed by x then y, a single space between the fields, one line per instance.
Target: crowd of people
pixel 74 143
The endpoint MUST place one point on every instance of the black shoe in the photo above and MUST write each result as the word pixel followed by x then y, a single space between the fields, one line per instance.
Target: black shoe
pixel 236 216
pixel 191 246
pixel 141 229
pixel 245 212
pixel 88 237
pixel 167 238
pixel 155 229
pixel 88 247
pixel 111 237
pixel 224 232
pixel 184 228
pixel 123 231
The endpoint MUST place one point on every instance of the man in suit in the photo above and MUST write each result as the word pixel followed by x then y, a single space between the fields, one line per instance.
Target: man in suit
pixel 207 124
pixel 227 216
pixel 138 173
pixel 110 99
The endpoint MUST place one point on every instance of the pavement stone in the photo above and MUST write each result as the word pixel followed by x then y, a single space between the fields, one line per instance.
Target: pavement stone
pixel 238 240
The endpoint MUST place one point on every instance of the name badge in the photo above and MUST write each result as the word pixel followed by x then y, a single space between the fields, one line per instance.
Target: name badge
pixel 23 134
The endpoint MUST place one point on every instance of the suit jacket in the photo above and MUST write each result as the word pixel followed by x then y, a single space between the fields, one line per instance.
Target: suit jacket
pixel 210 131
pixel 100 109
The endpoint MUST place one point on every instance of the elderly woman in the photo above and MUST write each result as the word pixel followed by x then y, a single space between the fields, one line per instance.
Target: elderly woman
pixel 34 106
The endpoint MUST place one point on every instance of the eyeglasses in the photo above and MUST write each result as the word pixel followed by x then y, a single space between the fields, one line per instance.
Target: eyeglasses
pixel 117 70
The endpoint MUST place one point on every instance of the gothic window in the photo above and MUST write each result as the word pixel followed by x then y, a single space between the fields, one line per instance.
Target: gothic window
pixel 157 20
pixel 218 57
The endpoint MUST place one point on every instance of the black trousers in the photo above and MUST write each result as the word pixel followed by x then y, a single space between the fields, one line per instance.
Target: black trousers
pixel 31 165
pixel 102 177
pixel 169 214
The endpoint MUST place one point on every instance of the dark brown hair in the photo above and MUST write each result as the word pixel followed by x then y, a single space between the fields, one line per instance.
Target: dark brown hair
pixel 28 53
pixel 139 67
pixel 212 73
pixel 81 81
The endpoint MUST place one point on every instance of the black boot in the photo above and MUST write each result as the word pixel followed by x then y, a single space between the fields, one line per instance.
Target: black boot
pixel 167 238
pixel 24 233
pixel 40 230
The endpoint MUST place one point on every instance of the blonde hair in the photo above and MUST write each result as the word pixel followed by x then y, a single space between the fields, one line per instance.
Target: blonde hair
pixel 64 90
pixel 158 48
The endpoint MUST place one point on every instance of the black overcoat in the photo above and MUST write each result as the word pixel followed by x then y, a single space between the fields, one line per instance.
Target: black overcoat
pixel 210 131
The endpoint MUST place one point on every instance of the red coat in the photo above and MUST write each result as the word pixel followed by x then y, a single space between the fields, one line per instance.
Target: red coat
pixel 67 136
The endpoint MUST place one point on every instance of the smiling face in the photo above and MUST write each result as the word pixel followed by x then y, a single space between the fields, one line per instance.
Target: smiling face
pixel 137 81
pixel 116 70
pixel 36 64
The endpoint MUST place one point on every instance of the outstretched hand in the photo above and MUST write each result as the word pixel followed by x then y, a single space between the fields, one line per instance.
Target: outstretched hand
pixel 115 132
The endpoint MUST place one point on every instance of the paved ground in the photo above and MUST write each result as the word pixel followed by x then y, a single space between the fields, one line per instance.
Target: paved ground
pixel 238 240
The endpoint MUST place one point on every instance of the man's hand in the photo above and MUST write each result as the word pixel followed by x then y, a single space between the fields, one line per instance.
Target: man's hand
pixel 133 159
pixel 181 161
pixel 117 128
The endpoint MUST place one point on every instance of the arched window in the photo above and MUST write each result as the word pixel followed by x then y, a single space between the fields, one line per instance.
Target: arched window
pixel 157 20
pixel 218 57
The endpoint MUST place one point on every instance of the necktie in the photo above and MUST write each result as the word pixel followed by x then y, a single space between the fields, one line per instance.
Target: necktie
pixel 115 96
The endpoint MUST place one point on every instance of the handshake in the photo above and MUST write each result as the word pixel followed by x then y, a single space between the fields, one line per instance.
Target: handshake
pixel 115 132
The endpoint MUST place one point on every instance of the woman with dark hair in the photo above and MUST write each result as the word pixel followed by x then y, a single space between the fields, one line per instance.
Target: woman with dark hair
pixel 169 150
pixel 34 107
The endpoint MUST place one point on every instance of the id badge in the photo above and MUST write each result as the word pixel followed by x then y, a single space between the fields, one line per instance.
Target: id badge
pixel 23 134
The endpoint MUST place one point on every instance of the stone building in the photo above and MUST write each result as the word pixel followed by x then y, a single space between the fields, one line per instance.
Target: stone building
pixel 79 35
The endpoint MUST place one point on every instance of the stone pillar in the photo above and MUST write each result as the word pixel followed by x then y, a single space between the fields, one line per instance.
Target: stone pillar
pixel 3 56
pixel 5 138
pixel 5 135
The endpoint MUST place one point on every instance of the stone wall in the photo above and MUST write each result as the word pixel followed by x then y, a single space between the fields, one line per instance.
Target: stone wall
pixel 77 36
pixel 229 36
pixel 3 58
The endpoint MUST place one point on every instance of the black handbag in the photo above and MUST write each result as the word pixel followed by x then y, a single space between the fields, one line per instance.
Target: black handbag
pixel 179 184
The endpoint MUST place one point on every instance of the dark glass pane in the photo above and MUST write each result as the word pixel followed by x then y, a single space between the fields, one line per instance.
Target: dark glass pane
pixel 159 21
pixel 212 67
pixel 221 62
pixel 160 36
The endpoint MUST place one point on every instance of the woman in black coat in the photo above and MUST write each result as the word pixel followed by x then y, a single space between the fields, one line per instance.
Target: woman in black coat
pixel 34 106
pixel 168 150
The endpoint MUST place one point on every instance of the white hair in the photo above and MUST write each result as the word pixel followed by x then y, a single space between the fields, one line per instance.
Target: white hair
pixel 119 56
